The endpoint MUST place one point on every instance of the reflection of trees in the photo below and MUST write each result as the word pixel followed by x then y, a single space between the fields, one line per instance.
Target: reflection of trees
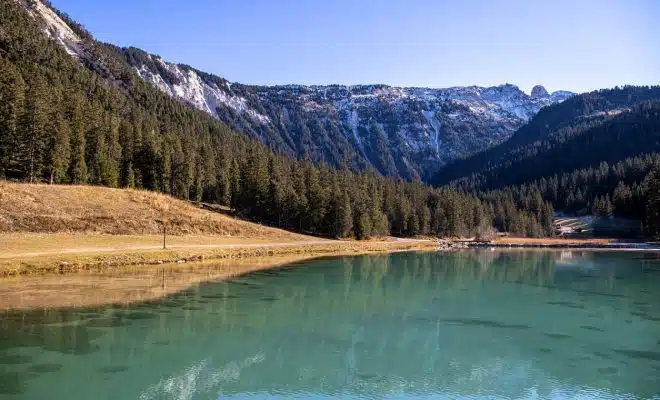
pixel 368 283
pixel 345 319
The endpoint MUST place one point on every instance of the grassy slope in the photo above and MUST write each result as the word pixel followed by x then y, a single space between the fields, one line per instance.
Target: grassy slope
pixel 58 228
pixel 98 210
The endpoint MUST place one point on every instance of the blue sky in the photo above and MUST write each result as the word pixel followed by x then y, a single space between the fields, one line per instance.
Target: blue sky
pixel 575 45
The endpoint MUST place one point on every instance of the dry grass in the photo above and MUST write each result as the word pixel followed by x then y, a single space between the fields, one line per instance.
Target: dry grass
pixel 59 229
pixel 97 210
pixel 99 261
pixel 15 245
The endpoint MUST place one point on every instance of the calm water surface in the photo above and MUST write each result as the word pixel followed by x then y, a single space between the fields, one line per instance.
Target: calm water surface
pixel 474 324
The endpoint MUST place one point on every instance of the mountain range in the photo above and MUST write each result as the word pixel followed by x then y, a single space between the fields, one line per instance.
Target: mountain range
pixel 74 110
pixel 401 132
pixel 608 126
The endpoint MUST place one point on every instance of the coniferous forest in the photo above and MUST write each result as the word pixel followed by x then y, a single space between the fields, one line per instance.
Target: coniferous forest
pixel 94 121
pixel 71 121
pixel 592 154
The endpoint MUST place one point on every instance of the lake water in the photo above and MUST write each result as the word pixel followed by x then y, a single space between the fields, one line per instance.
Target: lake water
pixel 463 325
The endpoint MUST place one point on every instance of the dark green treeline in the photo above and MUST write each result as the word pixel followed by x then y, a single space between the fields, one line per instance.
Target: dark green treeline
pixel 629 188
pixel 94 121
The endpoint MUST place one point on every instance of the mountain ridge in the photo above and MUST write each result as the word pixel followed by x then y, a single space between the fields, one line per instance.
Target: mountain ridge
pixel 611 124
pixel 402 132
pixel 406 132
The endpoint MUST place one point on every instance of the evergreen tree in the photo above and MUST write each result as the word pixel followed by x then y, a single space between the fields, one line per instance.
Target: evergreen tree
pixel 653 203
pixel 340 215
pixel 34 128
pixel 78 168
pixel 58 151
pixel 235 188
pixel 12 96
pixel 113 129
pixel 276 191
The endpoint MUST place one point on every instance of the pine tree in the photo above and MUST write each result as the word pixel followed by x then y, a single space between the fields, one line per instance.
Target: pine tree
pixel 276 191
pixel 113 156
pixel 315 196
pixel 34 127
pixel 339 216
pixel 223 187
pixel 424 218
pixel 361 223
pixel 299 201
pixel 199 185
pixel 58 152
pixel 235 188
pixel 255 193
pixel 12 96
pixel 412 225
pixel 78 168
pixel 402 210
pixel 653 203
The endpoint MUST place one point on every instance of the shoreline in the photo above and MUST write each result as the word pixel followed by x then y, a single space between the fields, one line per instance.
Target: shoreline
pixel 554 246
pixel 560 243
pixel 95 280
pixel 128 285
pixel 65 261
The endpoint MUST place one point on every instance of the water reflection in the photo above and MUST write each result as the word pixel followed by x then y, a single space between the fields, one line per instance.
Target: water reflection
pixel 467 324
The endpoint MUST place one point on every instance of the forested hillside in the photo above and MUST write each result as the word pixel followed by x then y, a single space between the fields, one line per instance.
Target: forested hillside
pixel 589 155
pixel 403 132
pixel 606 125
pixel 406 132
pixel 69 120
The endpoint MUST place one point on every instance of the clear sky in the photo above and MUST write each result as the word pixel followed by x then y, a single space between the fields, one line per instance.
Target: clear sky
pixel 576 45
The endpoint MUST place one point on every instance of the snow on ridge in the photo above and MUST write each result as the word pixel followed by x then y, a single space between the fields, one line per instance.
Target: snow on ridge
pixel 198 93
pixel 57 29
pixel 498 102
pixel 146 75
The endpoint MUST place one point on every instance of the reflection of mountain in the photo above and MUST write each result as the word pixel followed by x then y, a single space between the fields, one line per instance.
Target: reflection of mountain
pixel 474 323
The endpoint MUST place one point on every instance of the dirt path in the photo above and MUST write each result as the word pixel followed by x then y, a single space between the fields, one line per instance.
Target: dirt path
pixel 97 249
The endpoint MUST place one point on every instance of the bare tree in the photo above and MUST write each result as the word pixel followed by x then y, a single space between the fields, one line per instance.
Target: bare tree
pixel 485 233
pixel 162 206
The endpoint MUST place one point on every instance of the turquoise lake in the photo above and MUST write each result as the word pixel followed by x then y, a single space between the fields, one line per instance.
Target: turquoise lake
pixel 460 325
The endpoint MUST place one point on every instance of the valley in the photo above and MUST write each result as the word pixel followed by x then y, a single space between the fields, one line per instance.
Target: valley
pixel 325 200
pixel 332 161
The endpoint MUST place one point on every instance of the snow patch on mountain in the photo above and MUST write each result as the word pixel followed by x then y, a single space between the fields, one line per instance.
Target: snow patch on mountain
pixel 196 92
pixel 419 129
pixel 56 28
pixel 435 125
pixel 353 122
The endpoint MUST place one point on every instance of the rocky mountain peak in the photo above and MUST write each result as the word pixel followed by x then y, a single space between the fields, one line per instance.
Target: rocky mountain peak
pixel 539 92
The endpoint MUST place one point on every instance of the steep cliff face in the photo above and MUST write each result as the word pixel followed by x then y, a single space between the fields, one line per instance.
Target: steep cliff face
pixel 405 132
